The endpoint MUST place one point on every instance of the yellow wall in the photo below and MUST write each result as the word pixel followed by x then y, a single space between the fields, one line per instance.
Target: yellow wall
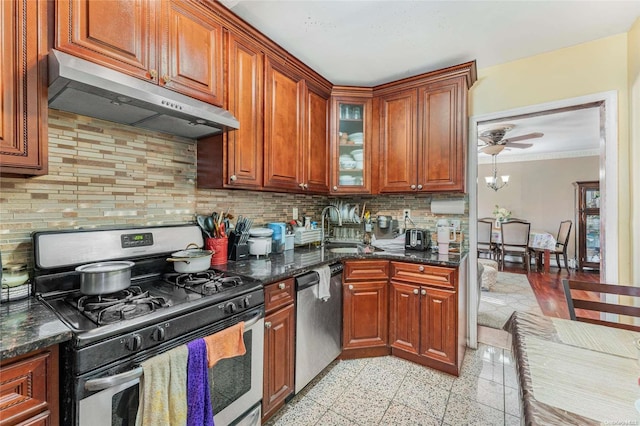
pixel 585 69
pixel 634 137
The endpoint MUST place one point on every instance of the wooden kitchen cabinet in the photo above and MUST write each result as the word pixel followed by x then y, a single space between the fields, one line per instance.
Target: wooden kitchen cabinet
pixel 279 346
pixel 283 128
pixel 235 159
pixel 316 152
pixel 423 131
pixel 351 140
pixel 365 308
pixel 177 44
pixel 23 82
pixel 296 146
pixel 423 319
pixel 29 389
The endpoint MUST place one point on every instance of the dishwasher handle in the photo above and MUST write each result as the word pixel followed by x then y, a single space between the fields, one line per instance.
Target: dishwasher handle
pixel 312 278
pixel 307 280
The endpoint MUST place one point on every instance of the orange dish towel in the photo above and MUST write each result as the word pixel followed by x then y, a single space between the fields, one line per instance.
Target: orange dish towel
pixel 225 344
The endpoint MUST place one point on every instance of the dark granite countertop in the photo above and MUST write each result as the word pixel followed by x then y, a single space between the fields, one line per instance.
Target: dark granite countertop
pixel 276 267
pixel 27 325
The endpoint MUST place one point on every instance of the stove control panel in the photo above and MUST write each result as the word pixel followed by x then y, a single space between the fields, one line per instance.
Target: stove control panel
pixel 136 240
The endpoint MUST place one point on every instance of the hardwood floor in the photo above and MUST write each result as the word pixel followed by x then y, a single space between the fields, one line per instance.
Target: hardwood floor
pixel 548 287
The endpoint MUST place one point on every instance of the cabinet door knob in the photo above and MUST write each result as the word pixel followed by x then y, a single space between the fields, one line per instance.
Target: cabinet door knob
pixel 335 188
pixel 233 178
pixel 413 187
pixel 153 74
pixel 281 286
pixel 423 292
pixel 421 269
pixel 350 286
pixel 415 291
pixel 267 324
pixel 166 78
pixel 419 187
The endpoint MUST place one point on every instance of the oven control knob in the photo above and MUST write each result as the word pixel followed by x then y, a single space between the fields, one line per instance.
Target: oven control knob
pixel 134 343
pixel 246 302
pixel 230 308
pixel 158 334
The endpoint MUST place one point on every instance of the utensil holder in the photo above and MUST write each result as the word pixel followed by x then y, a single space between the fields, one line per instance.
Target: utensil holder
pixel 219 247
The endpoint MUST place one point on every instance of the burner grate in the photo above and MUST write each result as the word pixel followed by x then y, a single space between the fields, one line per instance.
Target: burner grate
pixel 207 282
pixel 125 304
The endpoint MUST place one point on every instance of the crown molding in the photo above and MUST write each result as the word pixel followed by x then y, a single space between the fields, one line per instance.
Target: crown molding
pixel 486 159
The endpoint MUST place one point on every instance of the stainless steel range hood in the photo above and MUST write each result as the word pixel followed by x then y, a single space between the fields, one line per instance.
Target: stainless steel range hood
pixel 85 88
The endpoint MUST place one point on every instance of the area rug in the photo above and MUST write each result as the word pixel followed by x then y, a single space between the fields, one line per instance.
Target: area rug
pixel 512 292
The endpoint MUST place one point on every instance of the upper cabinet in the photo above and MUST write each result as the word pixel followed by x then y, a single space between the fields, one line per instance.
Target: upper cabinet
pixel 23 100
pixel 296 146
pixel 234 159
pixel 176 44
pixel 423 131
pixel 351 140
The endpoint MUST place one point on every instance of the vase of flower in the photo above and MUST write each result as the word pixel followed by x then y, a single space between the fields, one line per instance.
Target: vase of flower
pixel 501 214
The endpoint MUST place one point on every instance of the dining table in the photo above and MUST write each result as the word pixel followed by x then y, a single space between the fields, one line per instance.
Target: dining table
pixel 573 372
pixel 539 240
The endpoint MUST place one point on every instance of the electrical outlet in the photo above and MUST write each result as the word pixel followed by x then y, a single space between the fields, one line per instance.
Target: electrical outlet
pixel 406 213
pixel 295 213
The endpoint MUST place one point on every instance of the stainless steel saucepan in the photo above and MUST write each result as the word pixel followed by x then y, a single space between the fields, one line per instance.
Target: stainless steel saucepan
pixel 105 277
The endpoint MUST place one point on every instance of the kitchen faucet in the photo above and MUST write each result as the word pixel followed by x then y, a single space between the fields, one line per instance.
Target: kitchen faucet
pixel 324 211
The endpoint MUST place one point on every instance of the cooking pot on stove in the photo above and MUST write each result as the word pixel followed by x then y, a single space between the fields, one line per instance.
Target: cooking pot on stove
pixel 104 277
pixel 191 260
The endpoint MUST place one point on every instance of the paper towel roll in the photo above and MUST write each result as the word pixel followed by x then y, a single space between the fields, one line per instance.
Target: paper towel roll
pixel 447 206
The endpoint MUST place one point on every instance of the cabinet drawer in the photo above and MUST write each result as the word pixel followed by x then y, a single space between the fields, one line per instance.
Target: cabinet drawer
pixel 28 389
pixel 366 270
pixel 415 273
pixel 278 294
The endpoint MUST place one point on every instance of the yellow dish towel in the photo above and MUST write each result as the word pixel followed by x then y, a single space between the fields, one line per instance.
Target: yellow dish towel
pixel 225 344
pixel 163 389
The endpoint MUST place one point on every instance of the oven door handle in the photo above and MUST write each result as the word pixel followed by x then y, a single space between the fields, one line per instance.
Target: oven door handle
pixel 111 381
pixel 252 321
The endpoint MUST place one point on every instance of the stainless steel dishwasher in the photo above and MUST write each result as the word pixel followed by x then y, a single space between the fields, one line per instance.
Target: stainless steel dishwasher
pixel 318 325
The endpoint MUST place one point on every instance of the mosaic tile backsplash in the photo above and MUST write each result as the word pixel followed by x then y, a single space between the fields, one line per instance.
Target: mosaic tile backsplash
pixel 105 174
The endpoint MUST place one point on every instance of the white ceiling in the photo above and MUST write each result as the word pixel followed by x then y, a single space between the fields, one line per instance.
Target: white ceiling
pixel 365 43
pixel 566 134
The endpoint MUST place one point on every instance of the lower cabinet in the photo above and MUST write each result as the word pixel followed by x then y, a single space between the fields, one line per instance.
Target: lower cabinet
pixel 407 309
pixel 423 318
pixel 365 308
pixel 29 389
pixel 279 346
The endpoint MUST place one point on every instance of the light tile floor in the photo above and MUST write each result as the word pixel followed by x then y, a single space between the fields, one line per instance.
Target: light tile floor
pixel 392 391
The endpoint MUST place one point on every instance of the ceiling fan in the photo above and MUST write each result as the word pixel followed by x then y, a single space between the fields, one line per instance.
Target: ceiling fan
pixel 495 141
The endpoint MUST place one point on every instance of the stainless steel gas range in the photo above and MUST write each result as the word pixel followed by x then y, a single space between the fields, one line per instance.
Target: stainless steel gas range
pixel 114 333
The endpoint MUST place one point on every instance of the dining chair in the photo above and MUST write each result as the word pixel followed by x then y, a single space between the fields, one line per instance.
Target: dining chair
pixel 485 240
pixel 514 241
pixel 585 305
pixel 562 243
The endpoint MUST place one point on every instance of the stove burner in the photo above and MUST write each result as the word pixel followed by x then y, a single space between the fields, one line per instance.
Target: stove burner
pixel 207 282
pixel 126 304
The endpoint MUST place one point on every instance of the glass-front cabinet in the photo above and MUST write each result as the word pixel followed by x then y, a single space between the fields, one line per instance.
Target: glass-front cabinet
pixel 351 143
pixel 588 250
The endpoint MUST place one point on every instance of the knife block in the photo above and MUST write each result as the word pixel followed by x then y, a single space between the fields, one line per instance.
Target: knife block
pixel 238 247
